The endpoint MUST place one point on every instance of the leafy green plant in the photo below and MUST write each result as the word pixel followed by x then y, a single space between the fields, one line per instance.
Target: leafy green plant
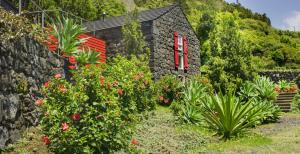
pixel 296 103
pixel 265 88
pixel 169 89
pixel 66 31
pixel 248 91
pixel 97 112
pixel 269 111
pixel 189 108
pixel 87 57
pixel 226 115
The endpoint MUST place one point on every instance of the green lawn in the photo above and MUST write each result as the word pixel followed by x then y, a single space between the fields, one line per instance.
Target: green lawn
pixel 161 133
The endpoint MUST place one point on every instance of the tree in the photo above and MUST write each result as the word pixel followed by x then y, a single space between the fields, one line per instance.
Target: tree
pixel 230 63
pixel 87 9
pixel 132 35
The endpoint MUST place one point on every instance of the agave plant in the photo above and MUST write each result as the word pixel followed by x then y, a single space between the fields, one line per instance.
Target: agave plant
pixel 66 31
pixel 87 57
pixel 265 88
pixel 226 115
pixel 248 91
pixel 190 114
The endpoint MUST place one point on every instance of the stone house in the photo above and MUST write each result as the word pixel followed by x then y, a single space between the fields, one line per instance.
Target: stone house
pixel 173 43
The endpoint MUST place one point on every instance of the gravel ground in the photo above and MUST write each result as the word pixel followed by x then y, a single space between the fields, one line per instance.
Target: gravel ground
pixel 286 121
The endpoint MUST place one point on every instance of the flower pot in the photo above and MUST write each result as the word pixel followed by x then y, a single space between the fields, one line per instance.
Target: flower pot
pixel 284 101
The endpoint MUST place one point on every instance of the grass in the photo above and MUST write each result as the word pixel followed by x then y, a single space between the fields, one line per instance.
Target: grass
pixel 161 133
pixel 30 143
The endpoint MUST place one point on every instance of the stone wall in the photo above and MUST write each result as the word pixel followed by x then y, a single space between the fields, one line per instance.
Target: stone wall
pixel 282 75
pixel 163 33
pixel 24 66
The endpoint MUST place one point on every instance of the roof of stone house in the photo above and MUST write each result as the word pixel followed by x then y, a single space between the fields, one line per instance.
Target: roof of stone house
pixel 8 6
pixel 118 21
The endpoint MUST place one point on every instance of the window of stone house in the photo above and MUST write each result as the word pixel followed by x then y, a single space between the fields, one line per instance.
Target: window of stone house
pixel 180 52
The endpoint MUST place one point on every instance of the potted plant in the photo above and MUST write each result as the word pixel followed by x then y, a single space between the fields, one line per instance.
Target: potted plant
pixel 286 92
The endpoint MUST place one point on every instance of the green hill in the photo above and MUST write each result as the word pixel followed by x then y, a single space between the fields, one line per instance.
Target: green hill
pixel 272 48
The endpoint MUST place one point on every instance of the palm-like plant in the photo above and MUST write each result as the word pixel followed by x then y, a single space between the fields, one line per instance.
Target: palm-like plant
pixel 227 115
pixel 265 88
pixel 66 31
pixel 248 91
pixel 87 57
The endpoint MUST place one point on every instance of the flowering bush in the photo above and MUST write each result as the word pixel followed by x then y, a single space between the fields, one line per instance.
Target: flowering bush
pixel 95 113
pixel 169 89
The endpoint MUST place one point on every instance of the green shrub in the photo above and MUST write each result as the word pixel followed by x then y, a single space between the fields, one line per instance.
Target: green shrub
pixel 262 94
pixel 265 88
pixel 137 81
pixel 169 89
pixel 189 108
pixel 226 115
pixel 296 103
pixel 98 110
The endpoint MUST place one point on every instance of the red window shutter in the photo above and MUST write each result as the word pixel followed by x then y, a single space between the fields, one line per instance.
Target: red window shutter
pixel 176 60
pixel 185 53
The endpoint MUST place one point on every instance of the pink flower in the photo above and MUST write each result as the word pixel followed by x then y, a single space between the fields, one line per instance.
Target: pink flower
pixel 115 83
pixel 76 116
pixel 102 80
pixel 46 140
pixel 161 98
pixel 72 60
pixel 46 84
pixel 62 88
pixel 57 76
pixel 120 91
pixel 72 67
pixel 134 142
pixel 39 102
pixel 64 126
pixel 166 101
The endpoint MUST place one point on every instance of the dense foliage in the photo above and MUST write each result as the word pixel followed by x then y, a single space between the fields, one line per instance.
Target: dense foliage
pixel 132 35
pixel 169 89
pixel 229 61
pixel 96 112
pixel 87 9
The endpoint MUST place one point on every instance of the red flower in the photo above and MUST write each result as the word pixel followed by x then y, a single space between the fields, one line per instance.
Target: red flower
pixel 102 80
pixel 62 88
pixel 46 84
pixel 161 98
pixel 72 67
pixel 76 116
pixel 39 102
pixel 64 126
pixel 134 142
pixel 115 83
pixel 72 60
pixel 120 91
pixel 88 66
pixel 57 76
pixel 46 140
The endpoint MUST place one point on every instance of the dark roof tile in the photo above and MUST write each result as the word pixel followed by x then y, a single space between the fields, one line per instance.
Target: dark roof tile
pixel 118 21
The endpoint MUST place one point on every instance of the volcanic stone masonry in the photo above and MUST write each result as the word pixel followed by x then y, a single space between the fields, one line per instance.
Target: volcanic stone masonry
pixel 24 66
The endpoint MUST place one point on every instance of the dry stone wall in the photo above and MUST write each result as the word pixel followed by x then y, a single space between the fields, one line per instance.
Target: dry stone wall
pixel 288 75
pixel 24 66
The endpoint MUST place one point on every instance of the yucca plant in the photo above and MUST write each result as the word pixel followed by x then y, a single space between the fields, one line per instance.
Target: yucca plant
pixel 248 91
pixel 66 32
pixel 265 88
pixel 226 115
pixel 189 108
pixel 87 57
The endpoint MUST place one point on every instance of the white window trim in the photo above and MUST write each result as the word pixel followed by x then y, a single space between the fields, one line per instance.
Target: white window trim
pixel 180 52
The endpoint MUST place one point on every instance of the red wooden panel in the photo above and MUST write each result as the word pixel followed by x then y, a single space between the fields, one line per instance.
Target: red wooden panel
pixel 93 43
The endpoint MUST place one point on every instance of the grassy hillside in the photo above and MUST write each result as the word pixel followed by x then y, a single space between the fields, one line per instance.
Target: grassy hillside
pixel 272 48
